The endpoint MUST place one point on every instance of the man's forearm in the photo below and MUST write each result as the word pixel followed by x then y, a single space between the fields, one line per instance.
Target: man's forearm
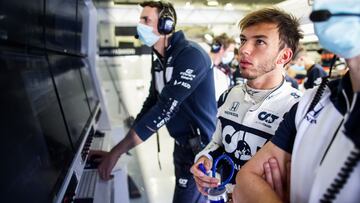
pixel 253 188
pixel 131 140
pixel 251 185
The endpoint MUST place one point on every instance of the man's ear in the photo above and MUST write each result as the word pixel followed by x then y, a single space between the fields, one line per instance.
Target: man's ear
pixel 285 56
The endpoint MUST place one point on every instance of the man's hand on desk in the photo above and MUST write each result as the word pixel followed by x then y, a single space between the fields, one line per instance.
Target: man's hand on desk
pixel 108 161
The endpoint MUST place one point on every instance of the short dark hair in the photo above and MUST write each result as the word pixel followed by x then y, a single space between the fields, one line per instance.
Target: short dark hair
pixel 288 26
pixel 160 6
pixel 224 40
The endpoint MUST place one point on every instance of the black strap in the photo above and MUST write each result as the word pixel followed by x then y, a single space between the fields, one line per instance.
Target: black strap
pixel 158 148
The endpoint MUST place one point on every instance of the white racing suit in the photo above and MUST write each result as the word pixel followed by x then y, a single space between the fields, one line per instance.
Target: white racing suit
pixel 244 125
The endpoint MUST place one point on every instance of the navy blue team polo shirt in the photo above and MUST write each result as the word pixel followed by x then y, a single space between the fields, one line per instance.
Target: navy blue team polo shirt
pixel 186 100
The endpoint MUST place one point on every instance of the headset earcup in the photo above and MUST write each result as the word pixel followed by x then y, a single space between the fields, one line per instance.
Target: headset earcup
pixel 166 25
pixel 166 22
pixel 215 47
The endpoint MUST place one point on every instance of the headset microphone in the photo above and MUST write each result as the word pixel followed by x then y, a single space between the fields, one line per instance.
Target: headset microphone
pixel 320 15
pixel 324 15
pixel 136 36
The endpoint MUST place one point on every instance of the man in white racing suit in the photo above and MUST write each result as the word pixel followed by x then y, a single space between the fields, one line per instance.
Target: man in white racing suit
pixel 249 114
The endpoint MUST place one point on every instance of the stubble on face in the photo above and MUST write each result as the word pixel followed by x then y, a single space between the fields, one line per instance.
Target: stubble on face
pixel 262 57
pixel 263 68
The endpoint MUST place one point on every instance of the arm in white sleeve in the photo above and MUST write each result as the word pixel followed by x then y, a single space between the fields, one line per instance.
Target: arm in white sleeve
pixel 214 145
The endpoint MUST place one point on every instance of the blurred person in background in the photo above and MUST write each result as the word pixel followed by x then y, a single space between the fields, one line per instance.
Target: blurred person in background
pixel 314 72
pixel 290 79
pixel 235 69
pixel 221 54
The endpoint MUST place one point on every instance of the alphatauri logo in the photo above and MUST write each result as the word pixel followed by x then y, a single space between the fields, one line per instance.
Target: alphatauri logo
pixel 183 182
pixel 267 117
pixel 312 115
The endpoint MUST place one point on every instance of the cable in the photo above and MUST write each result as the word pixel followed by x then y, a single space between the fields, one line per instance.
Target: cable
pixel 338 183
pixel 322 86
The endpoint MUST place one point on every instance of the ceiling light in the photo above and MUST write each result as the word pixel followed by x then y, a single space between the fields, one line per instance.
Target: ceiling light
pixel 188 5
pixel 228 6
pixel 212 3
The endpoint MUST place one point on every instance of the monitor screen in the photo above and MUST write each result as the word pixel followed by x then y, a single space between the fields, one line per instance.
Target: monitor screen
pixel 92 96
pixel 82 16
pixel 68 81
pixel 21 22
pixel 61 28
pixel 36 150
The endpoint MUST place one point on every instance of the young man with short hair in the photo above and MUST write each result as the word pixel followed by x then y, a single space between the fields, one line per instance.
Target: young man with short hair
pixel 249 114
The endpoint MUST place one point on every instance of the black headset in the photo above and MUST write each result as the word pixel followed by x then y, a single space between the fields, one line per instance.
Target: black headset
pixel 167 19
pixel 215 47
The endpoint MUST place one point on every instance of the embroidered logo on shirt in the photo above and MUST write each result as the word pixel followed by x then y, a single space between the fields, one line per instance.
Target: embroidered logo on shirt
pixel 296 96
pixel 183 182
pixel 182 83
pixel 235 106
pixel 233 109
pixel 313 114
pixel 187 75
pixel 266 118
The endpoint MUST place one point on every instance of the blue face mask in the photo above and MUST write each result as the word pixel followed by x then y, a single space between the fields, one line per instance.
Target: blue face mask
pixel 228 57
pixel 146 35
pixel 297 67
pixel 339 34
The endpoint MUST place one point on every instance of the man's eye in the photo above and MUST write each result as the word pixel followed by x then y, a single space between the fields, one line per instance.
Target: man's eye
pixel 242 41
pixel 260 42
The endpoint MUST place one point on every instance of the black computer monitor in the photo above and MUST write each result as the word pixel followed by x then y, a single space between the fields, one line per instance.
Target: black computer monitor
pixel 21 23
pixel 71 90
pixel 91 94
pixel 35 147
pixel 61 29
pixel 82 26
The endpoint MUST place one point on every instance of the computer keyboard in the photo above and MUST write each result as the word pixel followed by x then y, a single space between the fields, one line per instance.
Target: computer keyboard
pixel 97 144
pixel 88 182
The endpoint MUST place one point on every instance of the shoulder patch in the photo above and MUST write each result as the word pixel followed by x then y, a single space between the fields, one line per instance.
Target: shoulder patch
pixel 295 95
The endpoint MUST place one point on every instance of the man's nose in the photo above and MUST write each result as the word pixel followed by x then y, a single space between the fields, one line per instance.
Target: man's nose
pixel 246 48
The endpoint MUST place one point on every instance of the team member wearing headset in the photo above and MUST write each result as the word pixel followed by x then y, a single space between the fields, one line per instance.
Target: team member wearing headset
pixel 221 54
pixel 181 96
pixel 320 135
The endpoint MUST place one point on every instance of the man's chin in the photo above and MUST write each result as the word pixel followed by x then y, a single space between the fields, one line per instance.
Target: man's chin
pixel 248 77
